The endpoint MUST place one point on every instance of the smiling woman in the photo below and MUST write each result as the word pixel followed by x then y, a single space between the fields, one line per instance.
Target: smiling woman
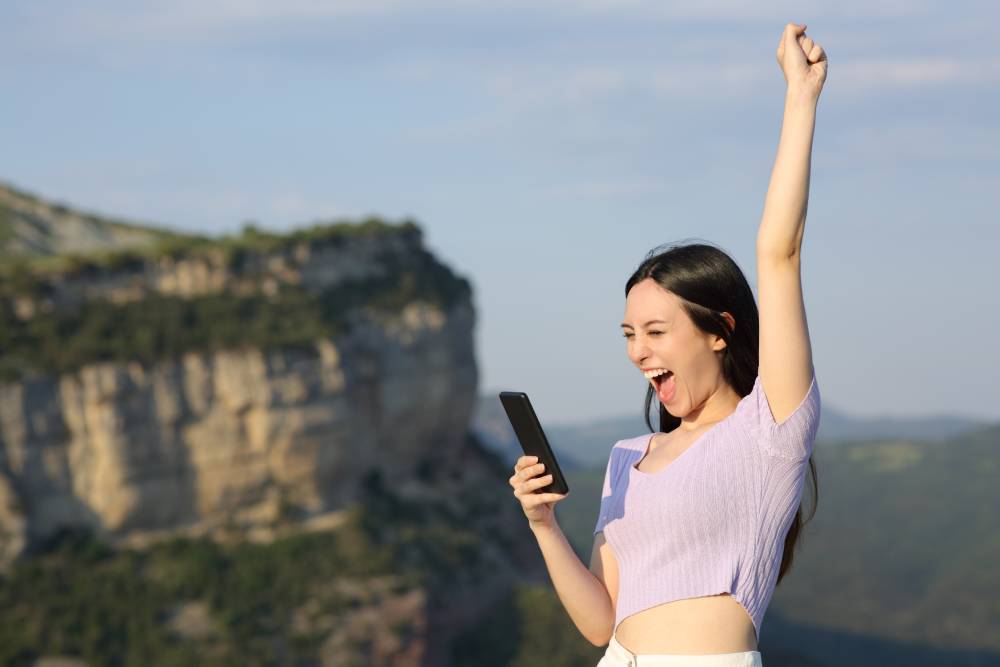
pixel 699 520
pixel 689 299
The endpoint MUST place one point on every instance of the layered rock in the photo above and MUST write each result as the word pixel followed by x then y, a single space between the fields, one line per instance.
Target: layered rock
pixel 248 435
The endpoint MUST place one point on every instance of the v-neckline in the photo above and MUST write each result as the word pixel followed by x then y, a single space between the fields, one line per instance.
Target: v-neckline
pixel 649 441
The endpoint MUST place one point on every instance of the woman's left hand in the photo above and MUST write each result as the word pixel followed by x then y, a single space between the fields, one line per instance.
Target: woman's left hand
pixel 803 62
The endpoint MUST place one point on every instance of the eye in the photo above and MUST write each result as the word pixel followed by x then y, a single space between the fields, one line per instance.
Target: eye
pixel 649 333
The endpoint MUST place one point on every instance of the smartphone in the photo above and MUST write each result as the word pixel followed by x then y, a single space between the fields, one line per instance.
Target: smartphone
pixel 532 438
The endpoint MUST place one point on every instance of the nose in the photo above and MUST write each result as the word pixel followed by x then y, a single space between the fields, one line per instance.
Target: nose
pixel 638 351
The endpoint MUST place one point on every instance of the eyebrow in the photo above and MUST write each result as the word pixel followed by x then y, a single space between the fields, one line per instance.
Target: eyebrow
pixel 646 324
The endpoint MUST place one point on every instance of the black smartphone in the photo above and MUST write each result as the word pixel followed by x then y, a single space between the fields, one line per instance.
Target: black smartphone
pixel 532 438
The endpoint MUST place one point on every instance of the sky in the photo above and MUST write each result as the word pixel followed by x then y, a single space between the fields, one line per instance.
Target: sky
pixel 545 148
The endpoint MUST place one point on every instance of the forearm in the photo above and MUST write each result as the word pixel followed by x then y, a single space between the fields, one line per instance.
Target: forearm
pixel 783 221
pixel 582 594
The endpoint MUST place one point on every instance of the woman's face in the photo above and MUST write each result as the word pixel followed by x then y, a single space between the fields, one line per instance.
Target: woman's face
pixel 660 335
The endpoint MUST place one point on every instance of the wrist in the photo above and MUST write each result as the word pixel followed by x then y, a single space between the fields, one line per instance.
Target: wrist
pixel 802 98
pixel 544 527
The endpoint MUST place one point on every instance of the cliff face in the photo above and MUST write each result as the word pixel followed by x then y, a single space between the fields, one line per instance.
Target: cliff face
pixel 233 433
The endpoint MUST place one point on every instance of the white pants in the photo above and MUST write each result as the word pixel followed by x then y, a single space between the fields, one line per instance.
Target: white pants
pixel 619 656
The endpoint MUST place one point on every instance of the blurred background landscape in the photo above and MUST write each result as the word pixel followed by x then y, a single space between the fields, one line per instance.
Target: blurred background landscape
pixel 264 269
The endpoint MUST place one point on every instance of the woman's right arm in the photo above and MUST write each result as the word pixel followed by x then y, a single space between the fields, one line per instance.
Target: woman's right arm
pixel 585 593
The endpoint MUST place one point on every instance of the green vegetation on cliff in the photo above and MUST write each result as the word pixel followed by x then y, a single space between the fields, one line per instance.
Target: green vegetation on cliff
pixel 161 326
pixel 232 250
pixel 263 604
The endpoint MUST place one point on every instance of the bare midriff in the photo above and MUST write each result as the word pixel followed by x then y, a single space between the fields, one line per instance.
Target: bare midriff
pixel 693 626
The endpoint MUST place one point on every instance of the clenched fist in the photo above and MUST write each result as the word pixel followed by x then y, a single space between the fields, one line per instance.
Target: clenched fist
pixel 803 62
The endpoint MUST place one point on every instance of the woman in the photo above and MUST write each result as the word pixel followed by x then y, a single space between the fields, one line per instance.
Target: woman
pixel 698 521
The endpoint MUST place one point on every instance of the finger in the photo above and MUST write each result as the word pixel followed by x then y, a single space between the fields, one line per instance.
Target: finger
pixel 528 488
pixel 792 43
pixel 531 482
pixel 539 482
pixel 549 497
pixel 816 54
pixel 807 44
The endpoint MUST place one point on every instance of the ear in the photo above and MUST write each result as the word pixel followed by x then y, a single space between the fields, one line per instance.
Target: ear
pixel 719 344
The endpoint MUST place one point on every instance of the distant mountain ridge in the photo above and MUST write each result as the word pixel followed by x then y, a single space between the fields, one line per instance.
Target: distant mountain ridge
pixel 31 227
pixel 589 443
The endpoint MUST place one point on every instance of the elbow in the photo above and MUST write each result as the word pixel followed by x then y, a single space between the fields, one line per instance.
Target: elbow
pixel 786 248
pixel 607 629
pixel 601 641
pixel 784 255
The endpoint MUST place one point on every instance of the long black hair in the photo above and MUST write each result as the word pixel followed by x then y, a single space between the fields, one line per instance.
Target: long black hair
pixel 708 283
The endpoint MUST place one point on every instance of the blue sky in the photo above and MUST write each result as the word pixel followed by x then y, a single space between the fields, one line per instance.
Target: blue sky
pixel 545 148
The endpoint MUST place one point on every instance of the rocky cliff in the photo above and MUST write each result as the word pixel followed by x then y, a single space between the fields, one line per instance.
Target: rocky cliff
pixel 216 385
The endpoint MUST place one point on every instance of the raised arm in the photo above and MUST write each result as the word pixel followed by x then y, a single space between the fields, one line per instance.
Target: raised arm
pixel 786 367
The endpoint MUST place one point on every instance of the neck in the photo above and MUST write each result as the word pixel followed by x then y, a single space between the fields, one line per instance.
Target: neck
pixel 720 404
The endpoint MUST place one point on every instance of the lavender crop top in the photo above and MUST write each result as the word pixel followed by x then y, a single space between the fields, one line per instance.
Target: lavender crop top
pixel 715 519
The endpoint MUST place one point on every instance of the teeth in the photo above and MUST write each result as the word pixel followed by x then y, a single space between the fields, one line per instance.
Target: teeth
pixel 656 371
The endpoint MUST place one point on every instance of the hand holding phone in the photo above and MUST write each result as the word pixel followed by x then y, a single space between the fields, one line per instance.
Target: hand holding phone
pixel 537 506
pixel 538 464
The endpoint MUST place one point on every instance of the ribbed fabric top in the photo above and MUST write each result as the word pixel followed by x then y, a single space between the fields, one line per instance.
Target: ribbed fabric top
pixel 715 519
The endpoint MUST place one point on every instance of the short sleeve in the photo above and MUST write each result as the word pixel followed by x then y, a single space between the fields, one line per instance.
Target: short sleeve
pixel 795 436
pixel 605 513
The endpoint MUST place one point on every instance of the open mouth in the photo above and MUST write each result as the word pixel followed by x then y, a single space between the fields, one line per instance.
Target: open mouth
pixel 658 377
